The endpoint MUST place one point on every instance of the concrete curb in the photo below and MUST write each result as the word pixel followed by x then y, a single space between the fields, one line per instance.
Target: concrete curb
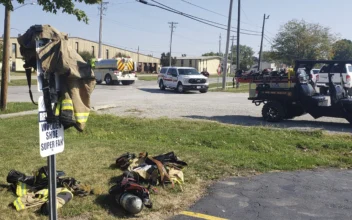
pixel 11 115
pixel 32 112
pixel 102 107
pixel 219 87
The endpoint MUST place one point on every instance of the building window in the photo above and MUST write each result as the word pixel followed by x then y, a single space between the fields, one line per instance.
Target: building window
pixel 93 52
pixel 107 54
pixel 190 62
pixel 77 47
pixel 181 62
pixel 14 50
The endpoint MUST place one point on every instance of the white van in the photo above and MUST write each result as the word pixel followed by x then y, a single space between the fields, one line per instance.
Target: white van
pixel 322 79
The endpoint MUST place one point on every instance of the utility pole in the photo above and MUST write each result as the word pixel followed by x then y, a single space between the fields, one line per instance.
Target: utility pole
pixel 5 62
pixel 173 25
pixel 220 44
pixel 232 39
pixel 227 47
pixel 102 8
pixel 261 43
pixel 238 35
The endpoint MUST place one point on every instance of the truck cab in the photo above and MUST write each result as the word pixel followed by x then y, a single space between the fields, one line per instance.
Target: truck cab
pixel 322 79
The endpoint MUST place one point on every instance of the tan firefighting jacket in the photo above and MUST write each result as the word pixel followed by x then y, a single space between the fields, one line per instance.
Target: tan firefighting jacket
pixel 28 199
pixel 77 80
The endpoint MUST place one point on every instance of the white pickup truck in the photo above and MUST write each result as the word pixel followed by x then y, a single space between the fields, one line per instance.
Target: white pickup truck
pixel 182 79
pixel 114 71
pixel 322 79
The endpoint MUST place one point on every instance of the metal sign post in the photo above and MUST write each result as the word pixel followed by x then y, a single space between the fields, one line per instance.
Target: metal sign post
pixel 51 140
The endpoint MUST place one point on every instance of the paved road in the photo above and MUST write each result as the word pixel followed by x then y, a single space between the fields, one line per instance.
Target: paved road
pixel 291 195
pixel 144 99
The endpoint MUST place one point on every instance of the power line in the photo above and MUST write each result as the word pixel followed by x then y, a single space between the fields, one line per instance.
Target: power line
pixel 204 8
pixel 220 15
pixel 254 25
pixel 268 37
pixel 268 41
pixel 201 20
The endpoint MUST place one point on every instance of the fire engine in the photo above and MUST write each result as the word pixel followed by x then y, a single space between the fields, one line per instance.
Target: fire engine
pixel 114 71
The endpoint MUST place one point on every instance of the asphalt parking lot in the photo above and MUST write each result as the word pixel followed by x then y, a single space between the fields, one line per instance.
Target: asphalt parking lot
pixel 308 195
pixel 144 99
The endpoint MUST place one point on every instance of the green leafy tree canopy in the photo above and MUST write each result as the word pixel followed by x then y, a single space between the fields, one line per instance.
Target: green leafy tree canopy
pixel 86 55
pixel 211 54
pixel 302 40
pixel 246 56
pixel 165 59
pixel 342 50
pixel 119 54
pixel 53 6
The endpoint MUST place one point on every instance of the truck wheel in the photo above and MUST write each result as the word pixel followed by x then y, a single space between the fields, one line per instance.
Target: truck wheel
pixel 203 91
pixel 180 88
pixel 161 85
pixel 98 82
pixel 108 79
pixel 125 82
pixel 273 112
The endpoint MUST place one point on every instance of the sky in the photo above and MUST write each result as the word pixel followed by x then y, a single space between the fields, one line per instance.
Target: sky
pixel 129 24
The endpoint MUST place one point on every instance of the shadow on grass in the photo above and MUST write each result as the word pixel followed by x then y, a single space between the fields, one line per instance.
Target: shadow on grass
pixel 289 124
pixel 5 187
pixel 109 203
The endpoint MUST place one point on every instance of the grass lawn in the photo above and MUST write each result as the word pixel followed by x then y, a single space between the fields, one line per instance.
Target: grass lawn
pixel 22 74
pixel 216 87
pixel 13 107
pixel 22 82
pixel 216 76
pixel 212 150
pixel 148 78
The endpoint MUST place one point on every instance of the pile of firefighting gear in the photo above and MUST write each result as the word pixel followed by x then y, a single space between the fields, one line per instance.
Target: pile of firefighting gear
pixel 158 170
pixel 32 191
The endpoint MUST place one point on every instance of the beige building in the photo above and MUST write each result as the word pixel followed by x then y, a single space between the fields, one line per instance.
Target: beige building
pixel 210 63
pixel 146 63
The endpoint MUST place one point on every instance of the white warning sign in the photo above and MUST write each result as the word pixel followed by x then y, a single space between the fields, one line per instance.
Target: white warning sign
pixel 51 136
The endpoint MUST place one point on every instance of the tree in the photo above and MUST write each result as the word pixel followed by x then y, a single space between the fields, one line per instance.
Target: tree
pixel 302 40
pixel 270 56
pixel 165 59
pixel 119 54
pixel 342 50
pixel 86 55
pixel 246 56
pixel 212 54
pixel 67 6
